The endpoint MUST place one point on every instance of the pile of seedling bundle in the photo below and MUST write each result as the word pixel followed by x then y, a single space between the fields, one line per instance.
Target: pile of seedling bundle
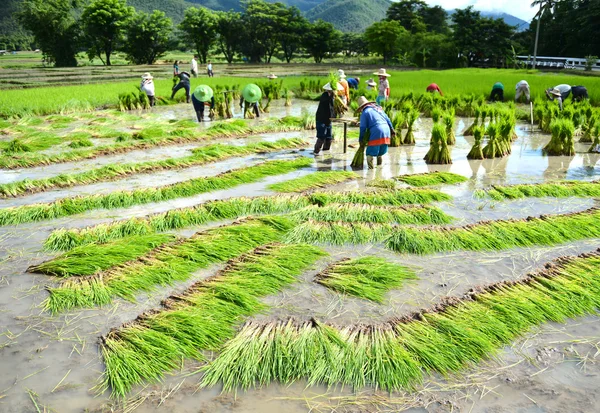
pixel 561 143
pixel 476 151
pixel 552 189
pixel 431 178
pixel 137 100
pixel 438 153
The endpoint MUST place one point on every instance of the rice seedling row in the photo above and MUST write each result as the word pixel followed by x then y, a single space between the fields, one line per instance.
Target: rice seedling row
pixel 431 178
pixel 167 264
pixel 553 189
pixel 202 318
pixel 369 278
pixel 312 181
pixel 66 239
pixel 121 199
pixel 401 353
pixel 200 156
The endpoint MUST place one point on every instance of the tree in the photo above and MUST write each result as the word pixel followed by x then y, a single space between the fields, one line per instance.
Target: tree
pixel 322 38
pixel 147 37
pixel 435 19
pixel 383 37
pixel 409 14
pixel 354 44
pixel 54 28
pixel 263 22
pixel 292 29
pixel 466 36
pixel 199 28
pixel 545 6
pixel 104 23
pixel 230 33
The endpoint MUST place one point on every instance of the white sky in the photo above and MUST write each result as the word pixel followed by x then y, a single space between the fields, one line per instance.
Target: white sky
pixel 518 8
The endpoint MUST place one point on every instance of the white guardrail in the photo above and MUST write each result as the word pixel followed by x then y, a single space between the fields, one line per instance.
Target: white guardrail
pixel 558 62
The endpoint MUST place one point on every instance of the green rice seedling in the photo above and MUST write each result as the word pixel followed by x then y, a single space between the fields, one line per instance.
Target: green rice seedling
pixel 123 199
pixel 312 181
pixel 496 235
pixel 392 198
pixel 80 143
pixel 595 148
pixel 476 152
pixel 469 131
pixel 588 130
pixel 492 149
pixel 397 122
pixel 438 152
pixel 339 233
pixel 16 146
pixel 358 162
pixel 561 143
pixel 389 184
pixel 436 115
pixel 369 278
pixel 448 120
pixel 431 178
pixel 163 266
pixel 373 214
pixel 202 318
pixel 90 259
pixel 411 119
pixel 563 189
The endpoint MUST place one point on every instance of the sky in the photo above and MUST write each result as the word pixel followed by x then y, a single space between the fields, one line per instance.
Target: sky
pixel 518 8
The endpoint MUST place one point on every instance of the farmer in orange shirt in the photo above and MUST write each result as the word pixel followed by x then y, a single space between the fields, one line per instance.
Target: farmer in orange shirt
pixel 344 94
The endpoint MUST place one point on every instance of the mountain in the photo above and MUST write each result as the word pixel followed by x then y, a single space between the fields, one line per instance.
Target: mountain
pixel 226 5
pixel 350 15
pixel 172 8
pixel 509 19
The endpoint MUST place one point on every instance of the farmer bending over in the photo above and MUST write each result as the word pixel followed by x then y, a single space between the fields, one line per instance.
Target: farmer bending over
pixel 497 94
pixel 184 83
pixel 432 88
pixel 374 121
pixel 560 93
pixel 522 89
pixel 147 87
pixel 325 112
pixel 353 82
pixel 202 95
pixel 579 93
pixel 251 95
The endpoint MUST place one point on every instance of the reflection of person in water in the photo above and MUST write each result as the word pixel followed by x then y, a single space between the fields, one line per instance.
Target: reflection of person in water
pixel 558 167
pixel 589 163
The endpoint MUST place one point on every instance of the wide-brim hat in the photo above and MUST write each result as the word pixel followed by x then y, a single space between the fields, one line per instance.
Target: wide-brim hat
pixel 341 74
pixel 147 76
pixel 371 82
pixel 272 76
pixel 339 87
pixel 555 92
pixel 362 102
pixel 203 93
pixel 382 72
pixel 252 93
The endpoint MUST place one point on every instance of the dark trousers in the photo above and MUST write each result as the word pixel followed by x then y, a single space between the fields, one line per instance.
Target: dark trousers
pixel 252 107
pixel 179 86
pixel 579 93
pixel 497 95
pixel 152 100
pixel 210 73
pixel 322 143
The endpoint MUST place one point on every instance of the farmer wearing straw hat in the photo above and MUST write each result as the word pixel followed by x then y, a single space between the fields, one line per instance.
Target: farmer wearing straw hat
pixel 272 76
pixel 345 93
pixel 383 93
pixel 432 88
pixel 202 95
pixel 184 83
pixel 371 84
pixel 560 93
pixel 251 95
pixel 325 112
pixel 379 126
pixel 147 87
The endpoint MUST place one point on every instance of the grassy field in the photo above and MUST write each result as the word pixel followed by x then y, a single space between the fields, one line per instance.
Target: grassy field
pixel 63 99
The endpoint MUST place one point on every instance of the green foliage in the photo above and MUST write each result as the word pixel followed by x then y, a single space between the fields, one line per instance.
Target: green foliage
pixel 438 151
pixel 431 178
pixel 349 16
pixel 198 29
pixel 147 37
pixel 561 143
pixel 383 38
pixel 564 189
pixel 321 39
pixel 230 32
pixel 312 181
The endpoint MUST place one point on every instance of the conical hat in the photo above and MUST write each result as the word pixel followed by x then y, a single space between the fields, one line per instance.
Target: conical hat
pixel 252 93
pixel 203 93
pixel 382 72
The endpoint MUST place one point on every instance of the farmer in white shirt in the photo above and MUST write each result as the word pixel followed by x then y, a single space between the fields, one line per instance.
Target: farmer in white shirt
pixel 522 89
pixel 209 69
pixel 560 92
pixel 147 87
pixel 194 68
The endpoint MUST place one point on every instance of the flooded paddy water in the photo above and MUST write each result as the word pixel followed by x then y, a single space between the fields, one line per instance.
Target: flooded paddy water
pixel 54 362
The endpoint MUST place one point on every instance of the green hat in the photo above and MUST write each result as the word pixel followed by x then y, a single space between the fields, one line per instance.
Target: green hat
pixel 203 93
pixel 251 93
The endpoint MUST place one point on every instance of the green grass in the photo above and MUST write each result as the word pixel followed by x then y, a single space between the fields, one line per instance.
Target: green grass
pixel 202 318
pixel 29 141
pixel 164 266
pixel 152 137
pixel 65 239
pixel 90 259
pixel 122 199
pixel 312 181
pixel 200 156
pixel 431 178
pixel 369 278
pixel 400 354
pixel 563 189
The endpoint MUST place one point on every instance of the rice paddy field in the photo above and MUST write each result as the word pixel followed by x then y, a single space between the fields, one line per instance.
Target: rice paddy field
pixel 150 263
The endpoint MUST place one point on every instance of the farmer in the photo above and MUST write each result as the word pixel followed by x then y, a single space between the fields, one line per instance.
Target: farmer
pixel 579 93
pixel 202 95
pixel 560 93
pixel 325 112
pixel 272 77
pixel 522 89
pixel 194 68
pixel 371 84
pixel 147 87
pixel 175 68
pixel 383 93
pixel 353 82
pixel 497 94
pixel 345 93
pixel 251 95
pixel 374 120
pixel 209 69
pixel 432 88
pixel 184 83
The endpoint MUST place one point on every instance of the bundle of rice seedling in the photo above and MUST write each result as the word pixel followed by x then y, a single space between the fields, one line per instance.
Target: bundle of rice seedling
pixel 16 146
pixel 358 162
pixel 438 152
pixel 492 149
pixel 431 178
pixel 588 130
pixel 595 148
pixel 369 278
pixel 312 181
pixel 553 189
pixel 397 122
pixel 81 143
pixel 561 143
pixel 436 115
pixel 448 120
pixel 288 97
pixel 476 151
pixel 411 118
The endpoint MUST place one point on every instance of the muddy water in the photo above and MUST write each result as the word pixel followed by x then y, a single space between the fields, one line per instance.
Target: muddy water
pixel 551 370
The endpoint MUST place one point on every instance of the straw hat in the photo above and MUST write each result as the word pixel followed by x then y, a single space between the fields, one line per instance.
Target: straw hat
pixel 556 92
pixel 371 82
pixel 203 93
pixel 341 74
pixel 382 72
pixel 272 76
pixel 252 93
pixel 362 102
pixel 147 76
pixel 338 87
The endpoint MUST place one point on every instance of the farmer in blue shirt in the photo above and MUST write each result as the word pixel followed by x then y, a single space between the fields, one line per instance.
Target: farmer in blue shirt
pixel 353 82
pixel 374 120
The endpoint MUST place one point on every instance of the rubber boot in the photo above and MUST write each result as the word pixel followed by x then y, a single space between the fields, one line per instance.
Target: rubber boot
pixel 370 161
pixel 380 160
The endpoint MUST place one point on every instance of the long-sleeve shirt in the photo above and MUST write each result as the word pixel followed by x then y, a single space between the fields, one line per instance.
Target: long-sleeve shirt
pixel 147 87
pixel 184 77
pixel 346 91
pixel 325 110
pixel 522 84
pixel 194 65
pixel 498 85
pixel 434 88
pixel 352 82
pixel 384 87
pixel 563 88
pixel 379 125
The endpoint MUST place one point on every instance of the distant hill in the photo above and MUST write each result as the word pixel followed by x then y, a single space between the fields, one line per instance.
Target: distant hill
pixel 226 5
pixel 172 8
pixel 509 19
pixel 350 15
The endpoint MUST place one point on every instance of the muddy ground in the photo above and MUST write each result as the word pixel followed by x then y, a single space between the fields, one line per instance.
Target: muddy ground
pixel 53 362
